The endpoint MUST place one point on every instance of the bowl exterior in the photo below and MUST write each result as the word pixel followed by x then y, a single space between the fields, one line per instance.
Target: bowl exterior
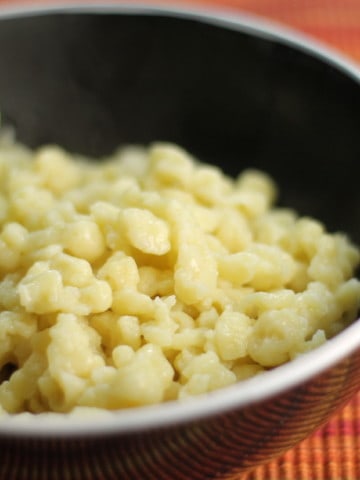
pixel 221 447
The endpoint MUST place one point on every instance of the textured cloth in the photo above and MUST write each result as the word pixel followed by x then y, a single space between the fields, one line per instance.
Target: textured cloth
pixel 333 452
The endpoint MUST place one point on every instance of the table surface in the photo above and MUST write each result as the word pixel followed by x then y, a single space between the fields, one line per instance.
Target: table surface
pixel 332 452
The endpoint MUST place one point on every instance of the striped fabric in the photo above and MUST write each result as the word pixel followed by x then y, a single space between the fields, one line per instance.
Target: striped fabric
pixel 331 453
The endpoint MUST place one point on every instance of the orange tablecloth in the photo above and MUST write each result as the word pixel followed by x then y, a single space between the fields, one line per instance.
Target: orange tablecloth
pixel 333 452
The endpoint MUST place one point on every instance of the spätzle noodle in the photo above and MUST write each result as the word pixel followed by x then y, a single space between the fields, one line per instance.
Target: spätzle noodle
pixel 150 277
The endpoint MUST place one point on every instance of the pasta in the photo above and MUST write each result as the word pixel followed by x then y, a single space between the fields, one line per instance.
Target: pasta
pixel 150 277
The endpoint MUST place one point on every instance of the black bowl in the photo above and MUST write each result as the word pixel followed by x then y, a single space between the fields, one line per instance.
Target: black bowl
pixel 236 92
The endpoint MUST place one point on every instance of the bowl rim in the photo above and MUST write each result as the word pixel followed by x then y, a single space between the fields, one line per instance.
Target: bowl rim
pixel 248 392
pixel 226 17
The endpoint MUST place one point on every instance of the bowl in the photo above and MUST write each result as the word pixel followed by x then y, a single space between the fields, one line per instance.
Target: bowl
pixel 236 91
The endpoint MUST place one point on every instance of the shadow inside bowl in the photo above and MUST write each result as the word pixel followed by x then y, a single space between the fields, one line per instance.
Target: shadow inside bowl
pixel 233 98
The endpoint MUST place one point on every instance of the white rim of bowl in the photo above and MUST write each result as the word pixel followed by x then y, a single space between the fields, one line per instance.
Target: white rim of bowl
pixel 93 422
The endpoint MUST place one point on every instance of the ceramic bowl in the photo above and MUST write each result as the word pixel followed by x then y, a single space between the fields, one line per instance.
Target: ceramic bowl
pixel 236 91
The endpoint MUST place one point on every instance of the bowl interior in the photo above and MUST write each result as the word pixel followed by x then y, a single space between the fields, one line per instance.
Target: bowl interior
pixel 234 98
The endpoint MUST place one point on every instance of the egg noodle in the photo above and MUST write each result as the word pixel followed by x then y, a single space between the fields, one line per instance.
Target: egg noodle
pixel 150 276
